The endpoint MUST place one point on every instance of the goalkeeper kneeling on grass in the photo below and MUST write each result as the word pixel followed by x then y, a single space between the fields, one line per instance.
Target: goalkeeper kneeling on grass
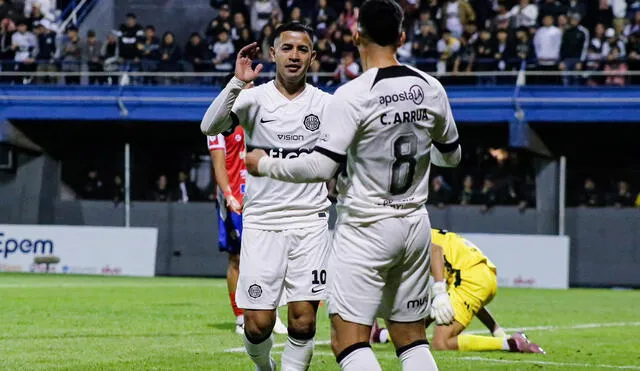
pixel 465 282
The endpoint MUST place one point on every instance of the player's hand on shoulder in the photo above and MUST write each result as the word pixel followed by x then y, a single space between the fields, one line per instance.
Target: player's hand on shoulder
pixel 244 63
pixel 441 308
pixel 252 160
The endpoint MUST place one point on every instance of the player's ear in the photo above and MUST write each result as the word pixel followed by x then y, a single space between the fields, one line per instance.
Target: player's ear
pixel 272 54
pixel 356 38
pixel 403 39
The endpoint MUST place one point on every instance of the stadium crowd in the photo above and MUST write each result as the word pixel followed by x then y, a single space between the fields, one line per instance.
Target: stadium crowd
pixel 443 36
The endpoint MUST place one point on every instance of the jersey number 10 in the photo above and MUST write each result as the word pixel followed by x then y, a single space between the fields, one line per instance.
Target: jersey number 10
pixel 404 167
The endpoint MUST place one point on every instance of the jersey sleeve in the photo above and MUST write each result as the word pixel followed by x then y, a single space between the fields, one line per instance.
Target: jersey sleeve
pixel 240 110
pixel 341 120
pixel 229 109
pixel 446 151
pixel 216 142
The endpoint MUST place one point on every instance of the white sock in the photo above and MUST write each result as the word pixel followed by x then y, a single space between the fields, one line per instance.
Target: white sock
pixel 297 354
pixel 240 320
pixel 360 360
pixel 260 353
pixel 418 358
pixel 505 344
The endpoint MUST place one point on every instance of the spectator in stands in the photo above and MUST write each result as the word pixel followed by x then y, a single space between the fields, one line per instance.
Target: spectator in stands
pixel 483 57
pixel 623 196
pixel 196 53
pixel 161 191
pixel 46 7
pixel 551 8
pixel 131 43
pixel 326 55
pixel 562 22
pixel 348 69
pixel 489 196
pixel 240 32
pixel 448 46
pixel 456 14
pixel 547 43
pixel 323 15
pixel 91 55
pixel 349 16
pixel 47 51
pixel 246 38
pixel 222 22
pixel 265 41
pixel 36 16
pixel 464 58
pixel 504 51
pixel 7 10
pixel 110 54
pixel 633 26
pixel 170 55
pixel 577 7
pixel 589 195
pixel 634 55
pixel 425 44
pixel 223 53
pixel 150 51
pixel 468 195
pixel 72 55
pixel 261 11
pixel 612 41
pixel 25 46
pixel 593 63
pixel 616 68
pixel 7 54
pixel 186 191
pixel 523 48
pixel 93 188
pixel 598 39
pixel 573 52
pixel 440 192
pixel 295 15
pixel 525 14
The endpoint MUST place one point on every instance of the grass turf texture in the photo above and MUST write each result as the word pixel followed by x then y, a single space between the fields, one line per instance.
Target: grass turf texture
pixel 56 322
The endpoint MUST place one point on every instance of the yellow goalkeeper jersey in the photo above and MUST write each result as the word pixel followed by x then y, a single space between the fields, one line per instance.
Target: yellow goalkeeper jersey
pixel 460 254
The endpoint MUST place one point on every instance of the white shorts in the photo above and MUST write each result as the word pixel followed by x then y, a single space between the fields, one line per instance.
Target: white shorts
pixel 288 264
pixel 381 270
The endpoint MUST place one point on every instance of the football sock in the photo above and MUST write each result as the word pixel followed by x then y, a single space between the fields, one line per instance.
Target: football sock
pixel 240 320
pixel 476 343
pixel 260 353
pixel 297 353
pixel 416 356
pixel 499 333
pixel 358 357
pixel 237 311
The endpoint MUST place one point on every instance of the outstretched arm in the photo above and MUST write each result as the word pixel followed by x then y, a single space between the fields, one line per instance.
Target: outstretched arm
pixel 315 167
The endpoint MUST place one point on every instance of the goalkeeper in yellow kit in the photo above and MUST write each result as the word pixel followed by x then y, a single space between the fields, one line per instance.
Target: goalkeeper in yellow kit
pixel 465 282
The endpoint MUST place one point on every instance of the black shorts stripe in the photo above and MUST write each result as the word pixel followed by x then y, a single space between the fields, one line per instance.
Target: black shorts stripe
pixel 416 343
pixel 332 155
pixel 396 71
pixel 350 349
pixel 447 147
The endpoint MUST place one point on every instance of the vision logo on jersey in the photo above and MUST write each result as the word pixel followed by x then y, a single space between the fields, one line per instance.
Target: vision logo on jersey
pixel 291 137
pixel 414 94
pixel 312 122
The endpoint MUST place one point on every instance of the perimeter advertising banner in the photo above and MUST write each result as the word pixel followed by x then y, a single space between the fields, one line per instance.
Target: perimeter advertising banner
pixel 538 261
pixel 80 249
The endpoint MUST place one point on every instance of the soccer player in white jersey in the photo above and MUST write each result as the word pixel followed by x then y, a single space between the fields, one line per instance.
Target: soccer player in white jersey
pixel 389 125
pixel 285 240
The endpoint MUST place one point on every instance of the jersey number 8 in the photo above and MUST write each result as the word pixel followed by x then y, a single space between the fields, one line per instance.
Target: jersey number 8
pixel 404 167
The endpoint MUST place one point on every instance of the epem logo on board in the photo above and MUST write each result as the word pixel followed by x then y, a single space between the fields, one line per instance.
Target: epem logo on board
pixel 10 246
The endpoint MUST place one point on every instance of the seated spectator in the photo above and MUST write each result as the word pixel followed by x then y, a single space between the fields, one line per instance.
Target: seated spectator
pixel 440 192
pixel 468 195
pixel 523 48
pixel 326 55
pixel 72 55
pixel 223 51
pixel 47 51
pixel 150 51
pixel 196 53
pixel 170 55
pixel 589 195
pixel 611 41
pixel 25 46
pixel 347 70
pixel 110 54
pixel 483 55
pixel 265 41
pixel 504 51
pixel 323 15
pixel 91 55
pixel 598 39
pixel 246 38
pixel 616 69
pixel 241 34
pixel 623 197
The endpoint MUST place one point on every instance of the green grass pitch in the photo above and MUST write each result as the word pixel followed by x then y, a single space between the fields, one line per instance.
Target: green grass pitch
pixel 56 322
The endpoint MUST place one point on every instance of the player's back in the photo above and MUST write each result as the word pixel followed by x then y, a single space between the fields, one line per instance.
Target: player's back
pixel 398 111
pixel 459 253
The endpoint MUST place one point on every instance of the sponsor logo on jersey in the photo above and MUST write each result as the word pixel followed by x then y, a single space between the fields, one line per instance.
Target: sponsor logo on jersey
pixel 414 94
pixel 287 153
pixel 263 121
pixel 312 122
pixel 417 303
pixel 255 291
pixel 291 137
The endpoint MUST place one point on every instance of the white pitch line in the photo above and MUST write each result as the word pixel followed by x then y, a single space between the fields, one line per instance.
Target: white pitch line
pixel 580 326
pixel 111 284
pixel 548 363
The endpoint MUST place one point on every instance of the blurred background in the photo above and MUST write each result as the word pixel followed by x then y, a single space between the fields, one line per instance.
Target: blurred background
pixel 101 100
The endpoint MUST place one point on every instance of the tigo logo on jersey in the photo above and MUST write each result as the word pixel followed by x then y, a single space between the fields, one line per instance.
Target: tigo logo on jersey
pixel 415 94
pixel 287 153
pixel 312 122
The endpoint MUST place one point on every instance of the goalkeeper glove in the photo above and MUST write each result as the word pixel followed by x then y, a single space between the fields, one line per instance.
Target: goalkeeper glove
pixel 441 308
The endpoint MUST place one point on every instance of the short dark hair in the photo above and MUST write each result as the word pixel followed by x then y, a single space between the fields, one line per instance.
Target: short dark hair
pixel 381 21
pixel 292 27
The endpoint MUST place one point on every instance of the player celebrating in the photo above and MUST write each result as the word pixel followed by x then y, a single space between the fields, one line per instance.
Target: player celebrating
pixel 465 282
pixel 285 239
pixel 227 152
pixel 461 268
pixel 388 124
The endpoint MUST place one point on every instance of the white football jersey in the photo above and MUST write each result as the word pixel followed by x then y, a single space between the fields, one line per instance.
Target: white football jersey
pixel 284 129
pixel 385 122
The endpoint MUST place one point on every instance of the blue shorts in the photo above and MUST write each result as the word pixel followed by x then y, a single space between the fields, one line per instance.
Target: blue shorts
pixel 229 230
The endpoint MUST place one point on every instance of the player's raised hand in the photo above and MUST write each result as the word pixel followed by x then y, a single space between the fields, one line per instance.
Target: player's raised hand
pixel 252 159
pixel 244 63
pixel 441 308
